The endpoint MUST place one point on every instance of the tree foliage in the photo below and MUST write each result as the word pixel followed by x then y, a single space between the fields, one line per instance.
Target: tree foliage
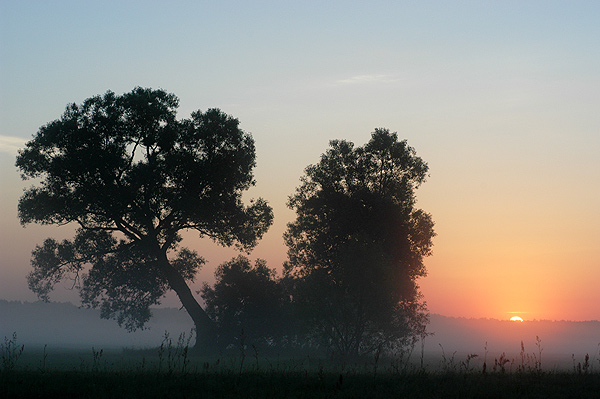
pixel 357 245
pixel 248 302
pixel 133 177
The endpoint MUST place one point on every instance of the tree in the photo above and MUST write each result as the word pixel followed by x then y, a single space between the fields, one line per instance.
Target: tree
pixel 357 245
pixel 247 301
pixel 133 177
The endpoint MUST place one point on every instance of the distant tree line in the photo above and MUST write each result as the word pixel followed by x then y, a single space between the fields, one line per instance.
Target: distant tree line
pixel 133 177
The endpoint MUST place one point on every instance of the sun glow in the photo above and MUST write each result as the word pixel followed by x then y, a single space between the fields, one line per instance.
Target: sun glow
pixel 516 318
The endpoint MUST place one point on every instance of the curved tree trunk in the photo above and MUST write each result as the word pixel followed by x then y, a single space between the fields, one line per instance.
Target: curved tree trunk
pixel 206 330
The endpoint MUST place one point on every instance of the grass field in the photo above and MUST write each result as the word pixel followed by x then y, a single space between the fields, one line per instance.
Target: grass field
pixel 171 371
pixel 274 384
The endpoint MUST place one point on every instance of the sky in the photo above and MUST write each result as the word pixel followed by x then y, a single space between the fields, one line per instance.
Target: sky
pixel 500 98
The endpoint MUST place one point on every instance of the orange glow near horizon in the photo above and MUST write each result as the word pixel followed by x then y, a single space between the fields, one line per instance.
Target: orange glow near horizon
pixel 516 318
pixel 464 283
pixel 496 258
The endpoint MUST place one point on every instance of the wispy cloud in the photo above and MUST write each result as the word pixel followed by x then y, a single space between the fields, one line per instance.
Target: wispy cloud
pixel 10 144
pixel 366 79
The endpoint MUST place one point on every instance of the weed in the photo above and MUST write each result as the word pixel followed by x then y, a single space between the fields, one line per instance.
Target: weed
pixel 500 363
pixel 423 349
pixel 521 367
pixel 483 370
pixel 586 364
pixel 376 360
pixel 526 359
pixel 175 356
pixel 538 358
pixel 320 373
pixel 448 365
pixel 466 365
pixel 42 367
pixel 582 368
pixel 142 367
pixel 242 351
pixel 11 352
pixel 401 360
pixel 255 356
pixel 96 356
pixel 311 376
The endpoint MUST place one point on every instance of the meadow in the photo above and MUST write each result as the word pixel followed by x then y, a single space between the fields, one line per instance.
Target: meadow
pixel 173 371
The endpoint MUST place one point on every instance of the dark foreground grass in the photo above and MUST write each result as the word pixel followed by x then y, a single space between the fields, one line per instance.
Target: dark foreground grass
pixel 171 371
pixel 278 384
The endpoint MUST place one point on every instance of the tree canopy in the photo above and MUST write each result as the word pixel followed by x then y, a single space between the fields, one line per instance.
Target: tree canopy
pixel 133 177
pixel 249 303
pixel 357 245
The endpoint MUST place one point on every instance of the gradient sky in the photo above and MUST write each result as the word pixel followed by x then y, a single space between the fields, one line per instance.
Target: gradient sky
pixel 502 99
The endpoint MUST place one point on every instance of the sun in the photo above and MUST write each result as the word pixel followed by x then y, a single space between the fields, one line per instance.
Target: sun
pixel 516 318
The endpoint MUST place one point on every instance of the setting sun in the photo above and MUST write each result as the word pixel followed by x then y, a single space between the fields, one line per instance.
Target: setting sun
pixel 516 318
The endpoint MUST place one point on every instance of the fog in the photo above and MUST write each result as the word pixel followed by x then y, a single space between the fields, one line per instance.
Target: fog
pixel 64 325
pixel 559 340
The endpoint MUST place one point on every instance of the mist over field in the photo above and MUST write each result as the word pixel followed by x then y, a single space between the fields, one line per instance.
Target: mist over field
pixel 559 339
pixel 64 325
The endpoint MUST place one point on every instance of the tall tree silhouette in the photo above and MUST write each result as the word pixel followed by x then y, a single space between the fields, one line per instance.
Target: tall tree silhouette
pixel 357 245
pixel 133 177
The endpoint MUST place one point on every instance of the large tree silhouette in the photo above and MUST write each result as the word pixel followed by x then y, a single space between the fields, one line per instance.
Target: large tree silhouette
pixel 357 245
pixel 133 177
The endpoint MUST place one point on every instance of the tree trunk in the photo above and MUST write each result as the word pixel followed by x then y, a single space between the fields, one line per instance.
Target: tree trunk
pixel 206 330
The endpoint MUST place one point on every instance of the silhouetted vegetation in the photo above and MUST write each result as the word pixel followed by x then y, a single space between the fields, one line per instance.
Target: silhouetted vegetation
pixel 132 177
pixel 357 246
pixel 249 304
pixel 173 371
pixel 356 249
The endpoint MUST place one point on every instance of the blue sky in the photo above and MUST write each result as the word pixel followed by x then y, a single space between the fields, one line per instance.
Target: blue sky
pixel 501 98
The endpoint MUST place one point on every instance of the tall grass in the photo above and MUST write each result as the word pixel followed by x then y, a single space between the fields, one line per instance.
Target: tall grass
pixel 10 352
pixel 173 370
